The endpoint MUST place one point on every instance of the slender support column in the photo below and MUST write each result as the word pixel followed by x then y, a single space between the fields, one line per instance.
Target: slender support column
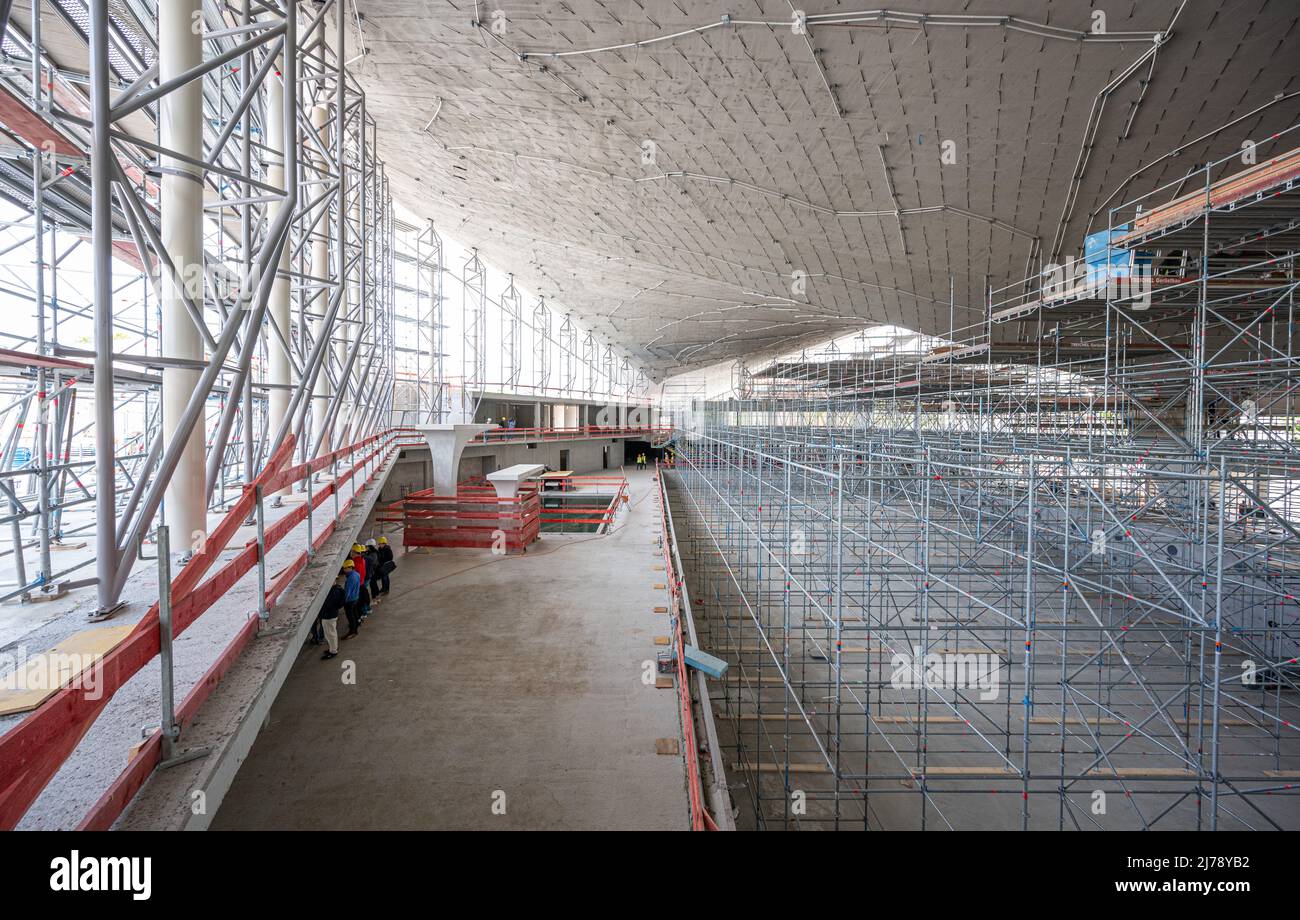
pixel 278 367
pixel 341 212
pixel 180 129
pixel 42 451
pixel 320 269
pixel 102 240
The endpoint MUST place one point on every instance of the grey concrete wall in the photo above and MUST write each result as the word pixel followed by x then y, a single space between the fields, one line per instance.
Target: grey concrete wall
pixel 411 473
pixel 412 470
pixel 584 455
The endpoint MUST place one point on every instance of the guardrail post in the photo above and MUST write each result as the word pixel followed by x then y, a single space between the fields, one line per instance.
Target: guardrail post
pixel 169 729
pixel 310 540
pixel 261 558
pixel 335 473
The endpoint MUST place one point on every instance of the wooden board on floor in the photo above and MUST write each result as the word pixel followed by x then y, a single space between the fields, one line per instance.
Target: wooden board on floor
pixel 664 683
pixel 667 746
pixel 781 768
pixel 49 671
pixel 1141 773
pixel 959 771
pixel 662 640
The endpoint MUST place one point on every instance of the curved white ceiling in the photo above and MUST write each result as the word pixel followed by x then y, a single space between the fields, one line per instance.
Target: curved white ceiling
pixel 665 175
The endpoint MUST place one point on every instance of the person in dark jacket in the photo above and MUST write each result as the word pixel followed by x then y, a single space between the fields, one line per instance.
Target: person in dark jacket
pixel 386 565
pixel 372 569
pixel 351 591
pixel 335 601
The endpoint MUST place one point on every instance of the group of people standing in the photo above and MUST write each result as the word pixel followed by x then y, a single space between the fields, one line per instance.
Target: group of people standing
pixel 364 578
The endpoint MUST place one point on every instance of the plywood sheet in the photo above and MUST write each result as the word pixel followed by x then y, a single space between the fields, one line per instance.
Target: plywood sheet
pixel 41 675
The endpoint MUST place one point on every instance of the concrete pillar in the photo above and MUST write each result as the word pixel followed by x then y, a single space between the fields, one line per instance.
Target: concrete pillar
pixel 446 444
pixel 507 481
pixel 321 268
pixel 181 201
pixel 278 370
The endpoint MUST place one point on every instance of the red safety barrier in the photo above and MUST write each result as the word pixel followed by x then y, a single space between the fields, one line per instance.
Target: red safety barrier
pixel 700 818
pixel 473 518
pixel 585 515
pixel 32 751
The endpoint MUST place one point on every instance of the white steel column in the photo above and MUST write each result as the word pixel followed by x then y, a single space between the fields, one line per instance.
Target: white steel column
pixel 278 369
pixel 180 129
pixel 432 269
pixel 321 269
pixel 106 554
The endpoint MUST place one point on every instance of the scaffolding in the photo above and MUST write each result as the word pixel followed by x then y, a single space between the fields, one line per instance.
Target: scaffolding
pixel 1039 573
pixel 229 273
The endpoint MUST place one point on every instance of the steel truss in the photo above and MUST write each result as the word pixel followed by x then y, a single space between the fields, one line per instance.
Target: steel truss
pixel 223 149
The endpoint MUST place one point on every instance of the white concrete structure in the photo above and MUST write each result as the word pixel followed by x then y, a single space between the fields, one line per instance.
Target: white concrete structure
pixel 181 227
pixel 446 442
pixel 507 481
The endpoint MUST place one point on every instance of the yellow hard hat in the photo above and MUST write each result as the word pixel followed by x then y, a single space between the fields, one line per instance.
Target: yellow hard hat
pixel 349 564
pixel 383 541
pixel 358 548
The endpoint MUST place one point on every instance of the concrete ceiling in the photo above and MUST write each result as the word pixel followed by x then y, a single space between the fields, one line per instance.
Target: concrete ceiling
pixel 777 152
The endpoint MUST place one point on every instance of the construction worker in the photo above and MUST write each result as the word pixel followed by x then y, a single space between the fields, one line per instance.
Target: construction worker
pixel 386 564
pixel 363 594
pixel 335 601
pixel 640 461
pixel 372 570
pixel 351 591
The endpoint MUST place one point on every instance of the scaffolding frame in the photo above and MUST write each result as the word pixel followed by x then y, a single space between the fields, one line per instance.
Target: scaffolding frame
pixel 1049 560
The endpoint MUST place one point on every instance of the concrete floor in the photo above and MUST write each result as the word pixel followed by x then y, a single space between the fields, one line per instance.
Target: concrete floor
pixel 482 677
